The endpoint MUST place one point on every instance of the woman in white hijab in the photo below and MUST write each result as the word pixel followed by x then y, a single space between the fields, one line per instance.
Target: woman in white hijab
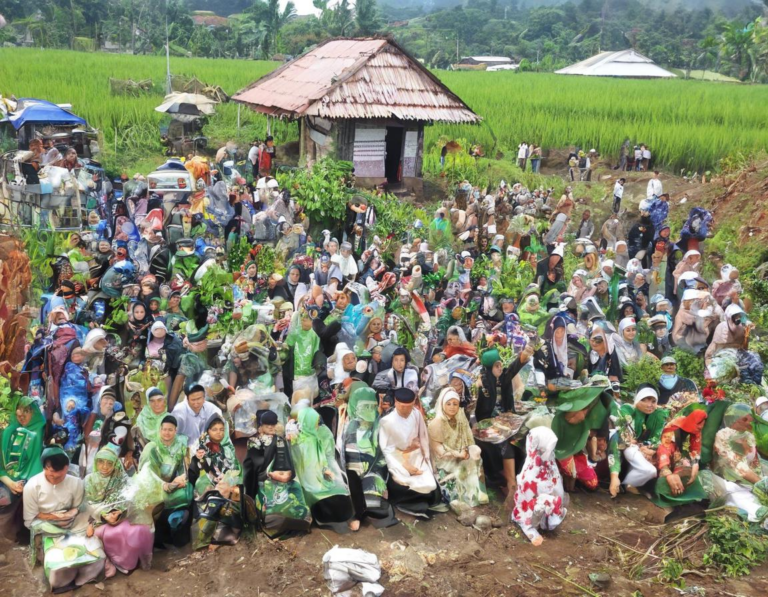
pixel 94 348
pixel 628 349
pixel 344 362
pixel 578 287
pixel 455 456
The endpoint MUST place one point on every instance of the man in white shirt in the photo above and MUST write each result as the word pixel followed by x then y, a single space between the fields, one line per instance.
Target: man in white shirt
pixel 404 442
pixel 522 155
pixel 193 414
pixel 646 158
pixel 618 193
pixel 654 187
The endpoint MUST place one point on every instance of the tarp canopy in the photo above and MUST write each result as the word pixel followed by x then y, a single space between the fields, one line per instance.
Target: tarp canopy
pixel 186 106
pixel 37 111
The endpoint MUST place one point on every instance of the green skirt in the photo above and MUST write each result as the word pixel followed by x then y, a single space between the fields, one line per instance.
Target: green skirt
pixel 665 499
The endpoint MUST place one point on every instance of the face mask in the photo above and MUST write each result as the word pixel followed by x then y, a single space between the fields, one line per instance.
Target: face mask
pixel 764 416
pixel 668 381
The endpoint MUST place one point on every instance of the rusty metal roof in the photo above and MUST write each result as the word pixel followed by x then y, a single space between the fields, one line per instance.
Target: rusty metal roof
pixel 356 78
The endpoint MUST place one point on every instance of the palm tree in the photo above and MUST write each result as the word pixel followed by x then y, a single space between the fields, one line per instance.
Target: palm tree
pixel 710 51
pixel 276 18
pixel 737 41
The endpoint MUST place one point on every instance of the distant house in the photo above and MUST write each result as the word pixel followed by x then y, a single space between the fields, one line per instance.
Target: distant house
pixel 484 62
pixel 625 63
pixel 362 100
pixel 111 46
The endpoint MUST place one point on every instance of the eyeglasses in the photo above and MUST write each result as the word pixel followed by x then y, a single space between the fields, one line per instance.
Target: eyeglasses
pixel 597 339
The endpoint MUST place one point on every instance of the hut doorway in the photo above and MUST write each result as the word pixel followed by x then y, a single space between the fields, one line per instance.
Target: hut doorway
pixel 393 159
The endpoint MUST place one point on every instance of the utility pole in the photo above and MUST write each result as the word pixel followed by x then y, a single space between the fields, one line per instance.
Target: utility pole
pixel 457 47
pixel 168 86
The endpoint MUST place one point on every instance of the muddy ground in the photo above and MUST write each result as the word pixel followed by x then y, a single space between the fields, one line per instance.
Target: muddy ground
pixel 435 558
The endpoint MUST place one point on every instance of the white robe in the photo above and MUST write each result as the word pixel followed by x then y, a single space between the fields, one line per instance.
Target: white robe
pixel 395 435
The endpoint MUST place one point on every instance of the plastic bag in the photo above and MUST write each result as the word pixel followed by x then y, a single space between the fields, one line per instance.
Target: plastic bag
pixel 345 569
pixel 245 417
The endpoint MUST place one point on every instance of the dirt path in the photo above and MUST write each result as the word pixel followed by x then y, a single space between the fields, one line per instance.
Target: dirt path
pixel 436 558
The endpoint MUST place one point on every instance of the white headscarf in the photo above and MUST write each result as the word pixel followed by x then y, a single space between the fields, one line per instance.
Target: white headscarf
pixel 339 375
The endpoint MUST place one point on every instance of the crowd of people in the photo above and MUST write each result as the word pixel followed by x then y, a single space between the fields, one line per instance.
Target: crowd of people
pixel 366 378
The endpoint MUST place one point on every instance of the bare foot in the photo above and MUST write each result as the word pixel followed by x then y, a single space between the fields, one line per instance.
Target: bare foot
pixel 537 541
pixel 213 547
pixel 631 489
pixel 509 502
pixel 354 525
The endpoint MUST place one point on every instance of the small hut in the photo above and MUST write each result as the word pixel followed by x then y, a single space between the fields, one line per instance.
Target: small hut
pixel 362 100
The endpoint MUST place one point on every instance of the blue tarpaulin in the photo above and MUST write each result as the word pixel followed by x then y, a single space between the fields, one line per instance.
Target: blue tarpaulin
pixel 41 111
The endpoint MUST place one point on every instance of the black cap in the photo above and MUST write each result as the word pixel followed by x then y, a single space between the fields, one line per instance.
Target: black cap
pixel 266 417
pixel 170 419
pixel 405 395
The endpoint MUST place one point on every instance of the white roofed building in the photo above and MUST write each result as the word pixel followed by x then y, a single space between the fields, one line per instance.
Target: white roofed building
pixel 624 63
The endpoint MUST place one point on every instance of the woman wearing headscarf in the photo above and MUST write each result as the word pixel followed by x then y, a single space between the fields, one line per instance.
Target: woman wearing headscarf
pixel 167 459
pixel 691 262
pixel 324 485
pixel 20 449
pixel 539 499
pixel 549 276
pixel 578 287
pixel 126 545
pixel 456 343
pixel 361 456
pixel 147 427
pixel 455 457
pixel 295 287
pixel 737 477
pixel 57 520
pixel 270 479
pixel 561 356
pixel 628 349
pixel 580 412
pixel 94 350
pixel 602 355
pixel 167 348
pixel 496 389
pixel 137 331
pixel 677 460
pixel 728 282
pixel 217 476
pixel 731 333
pixel 736 457
pixel 639 428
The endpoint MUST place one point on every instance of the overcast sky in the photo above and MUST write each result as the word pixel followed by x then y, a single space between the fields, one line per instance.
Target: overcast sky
pixel 304 7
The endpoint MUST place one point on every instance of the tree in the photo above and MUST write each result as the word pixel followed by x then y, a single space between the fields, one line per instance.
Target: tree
pixel 737 41
pixel 367 17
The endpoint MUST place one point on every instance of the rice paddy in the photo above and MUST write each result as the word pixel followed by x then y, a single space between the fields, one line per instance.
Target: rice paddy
pixel 688 124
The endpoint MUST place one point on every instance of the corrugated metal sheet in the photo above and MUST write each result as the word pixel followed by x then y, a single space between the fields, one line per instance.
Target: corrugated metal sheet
pixel 356 78
pixel 626 63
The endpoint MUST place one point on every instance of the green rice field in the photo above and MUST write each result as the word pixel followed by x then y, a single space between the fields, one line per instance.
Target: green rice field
pixel 688 124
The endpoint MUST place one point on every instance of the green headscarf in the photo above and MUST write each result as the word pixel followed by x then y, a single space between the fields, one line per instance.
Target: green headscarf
pixel 21 447
pixel 490 358
pixel 360 394
pixel 224 459
pixel 106 491
pixel 571 439
pixel 735 412
pixel 314 453
pixel 148 422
